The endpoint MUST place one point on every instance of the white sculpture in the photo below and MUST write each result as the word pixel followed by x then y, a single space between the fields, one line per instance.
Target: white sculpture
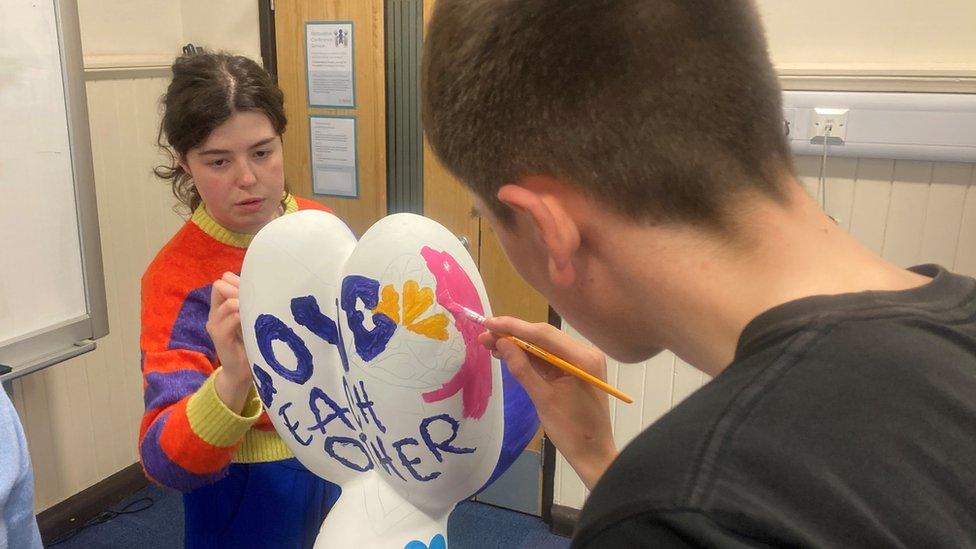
pixel 369 378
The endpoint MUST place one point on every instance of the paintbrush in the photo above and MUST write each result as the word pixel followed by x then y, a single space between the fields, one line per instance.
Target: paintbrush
pixel 543 354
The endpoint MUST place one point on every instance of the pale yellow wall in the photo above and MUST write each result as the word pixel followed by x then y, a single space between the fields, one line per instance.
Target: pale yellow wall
pixel 134 28
pixel 230 25
pixel 82 416
pixel 888 35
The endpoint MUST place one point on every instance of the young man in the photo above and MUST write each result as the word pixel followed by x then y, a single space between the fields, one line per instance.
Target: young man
pixel 631 158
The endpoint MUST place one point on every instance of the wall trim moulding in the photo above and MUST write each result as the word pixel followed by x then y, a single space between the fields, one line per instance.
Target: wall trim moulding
pixel 100 67
pixel 878 80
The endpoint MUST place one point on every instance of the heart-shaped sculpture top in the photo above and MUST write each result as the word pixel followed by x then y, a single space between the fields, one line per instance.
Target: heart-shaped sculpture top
pixel 369 378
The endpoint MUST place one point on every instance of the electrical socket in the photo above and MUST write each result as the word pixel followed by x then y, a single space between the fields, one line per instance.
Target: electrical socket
pixel 824 119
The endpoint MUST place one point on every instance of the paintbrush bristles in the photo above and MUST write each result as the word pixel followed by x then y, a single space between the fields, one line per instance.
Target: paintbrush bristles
pixel 471 315
pixel 444 297
pixel 457 309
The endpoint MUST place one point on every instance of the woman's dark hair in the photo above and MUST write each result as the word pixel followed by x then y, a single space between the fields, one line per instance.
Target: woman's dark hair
pixel 207 89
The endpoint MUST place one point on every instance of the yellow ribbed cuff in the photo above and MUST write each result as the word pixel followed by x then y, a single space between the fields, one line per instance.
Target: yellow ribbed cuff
pixel 262 446
pixel 202 218
pixel 214 422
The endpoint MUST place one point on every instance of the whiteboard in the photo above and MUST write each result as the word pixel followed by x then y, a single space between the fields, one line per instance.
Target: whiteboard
pixel 52 298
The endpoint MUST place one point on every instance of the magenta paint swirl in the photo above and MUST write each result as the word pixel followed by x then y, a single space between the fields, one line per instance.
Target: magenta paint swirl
pixel 473 379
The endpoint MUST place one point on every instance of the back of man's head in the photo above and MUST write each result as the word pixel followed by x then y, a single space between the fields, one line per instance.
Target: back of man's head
pixel 664 110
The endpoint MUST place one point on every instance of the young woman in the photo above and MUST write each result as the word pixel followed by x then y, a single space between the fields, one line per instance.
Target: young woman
pixel 204 432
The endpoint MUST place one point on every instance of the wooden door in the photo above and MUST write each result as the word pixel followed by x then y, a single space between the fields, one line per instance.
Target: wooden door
pixel 370 112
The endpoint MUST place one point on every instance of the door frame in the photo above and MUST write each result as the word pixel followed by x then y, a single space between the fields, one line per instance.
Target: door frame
pixel 266 31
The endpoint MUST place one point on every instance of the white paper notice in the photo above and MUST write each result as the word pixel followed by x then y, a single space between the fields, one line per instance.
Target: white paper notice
pixel 334 169
pixel 331 73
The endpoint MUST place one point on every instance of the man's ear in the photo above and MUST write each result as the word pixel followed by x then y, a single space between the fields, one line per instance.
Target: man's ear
pixel 547 214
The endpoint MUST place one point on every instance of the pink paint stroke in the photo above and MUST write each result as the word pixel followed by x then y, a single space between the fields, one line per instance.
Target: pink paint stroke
pixel 473 379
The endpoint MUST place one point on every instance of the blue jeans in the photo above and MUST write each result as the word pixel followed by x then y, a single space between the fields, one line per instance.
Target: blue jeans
pixel 278 504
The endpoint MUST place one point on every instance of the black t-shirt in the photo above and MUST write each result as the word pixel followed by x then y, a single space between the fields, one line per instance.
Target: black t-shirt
pixel 844 421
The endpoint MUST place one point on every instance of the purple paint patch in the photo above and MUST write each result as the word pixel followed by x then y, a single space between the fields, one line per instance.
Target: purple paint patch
pixel 264 384
pixel 163 470
pixel 189 331
pixel 306 312
pixel 163 389
pixel 369 343
pixel 521 424
pixel 473 379
pixel 267 330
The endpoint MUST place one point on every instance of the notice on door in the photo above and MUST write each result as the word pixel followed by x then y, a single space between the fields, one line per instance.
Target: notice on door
pixel 335 169
pixel 331 72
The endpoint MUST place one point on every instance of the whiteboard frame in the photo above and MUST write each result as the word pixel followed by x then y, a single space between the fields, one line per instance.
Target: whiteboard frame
pixel 51 345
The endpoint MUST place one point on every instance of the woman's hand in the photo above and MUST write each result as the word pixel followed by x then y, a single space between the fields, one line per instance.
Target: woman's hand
pixel 574 414
pixel 224 326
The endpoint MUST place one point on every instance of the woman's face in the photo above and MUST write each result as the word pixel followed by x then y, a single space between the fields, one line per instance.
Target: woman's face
pixel 239 172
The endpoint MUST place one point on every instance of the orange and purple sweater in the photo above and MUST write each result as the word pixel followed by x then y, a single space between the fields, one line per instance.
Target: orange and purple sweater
pixel 188 437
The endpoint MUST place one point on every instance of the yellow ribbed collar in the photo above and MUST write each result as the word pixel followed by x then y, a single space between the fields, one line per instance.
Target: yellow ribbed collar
pixel 201 217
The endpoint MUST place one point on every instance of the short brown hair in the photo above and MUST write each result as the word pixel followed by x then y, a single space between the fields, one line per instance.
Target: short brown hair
pixel 662 109
pixel 206 90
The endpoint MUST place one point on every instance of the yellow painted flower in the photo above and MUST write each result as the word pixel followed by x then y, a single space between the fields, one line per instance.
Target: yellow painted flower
pixel 416 302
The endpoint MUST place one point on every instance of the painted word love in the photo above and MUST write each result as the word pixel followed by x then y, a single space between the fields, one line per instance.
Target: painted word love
pixel 340 421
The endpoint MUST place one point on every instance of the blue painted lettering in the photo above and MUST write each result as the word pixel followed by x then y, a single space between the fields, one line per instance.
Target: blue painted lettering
pixel 267 330
pixel 444 445
pixel 264 384
pixel 307 313
pixel 338 412
pixel 348 443
pixel 349 402
pixel 369 343
pixel 342 342
pixel 366 405
pixel 292 427
pixel 385 461
pixel 410 462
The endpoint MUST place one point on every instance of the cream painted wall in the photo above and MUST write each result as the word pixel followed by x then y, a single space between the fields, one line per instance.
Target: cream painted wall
pixel 230 25
pixel 82 416
pixel 887 35
pixel 128 29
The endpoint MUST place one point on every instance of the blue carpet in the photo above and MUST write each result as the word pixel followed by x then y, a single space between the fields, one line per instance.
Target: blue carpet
pixel 471 526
